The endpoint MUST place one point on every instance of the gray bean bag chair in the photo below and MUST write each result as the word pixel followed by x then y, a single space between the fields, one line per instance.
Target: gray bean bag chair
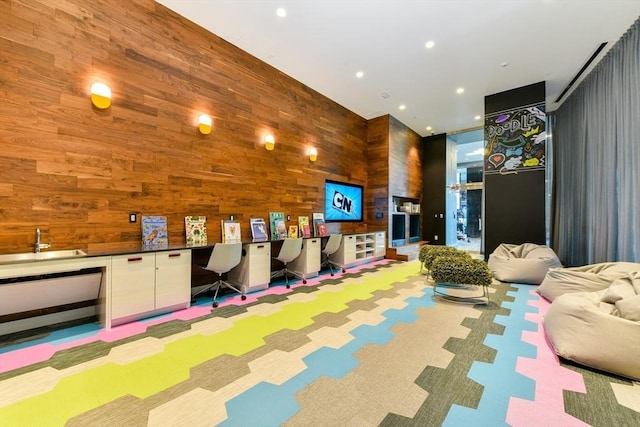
pixel 588 278
pixel 525 263
pixel 599 329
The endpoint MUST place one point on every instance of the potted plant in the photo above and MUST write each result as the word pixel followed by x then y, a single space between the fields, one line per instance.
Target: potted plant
pixel 428 253
pixel 456 271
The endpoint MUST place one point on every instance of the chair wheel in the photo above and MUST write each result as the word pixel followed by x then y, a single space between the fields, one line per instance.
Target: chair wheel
pixel 304 282
pixel 344 271
pixel 214 305
pixel 243 297
pixel 331 274
pixel 288 286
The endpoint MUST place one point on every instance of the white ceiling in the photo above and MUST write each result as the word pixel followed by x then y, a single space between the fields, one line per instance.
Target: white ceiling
pixel 323 43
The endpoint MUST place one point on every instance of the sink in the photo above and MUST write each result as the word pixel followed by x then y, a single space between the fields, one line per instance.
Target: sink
pixel 47 255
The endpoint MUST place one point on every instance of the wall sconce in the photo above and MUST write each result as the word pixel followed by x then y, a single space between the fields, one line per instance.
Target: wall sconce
pixel 204 124
pixel 269 142
pixel 313 154
pixel 100 95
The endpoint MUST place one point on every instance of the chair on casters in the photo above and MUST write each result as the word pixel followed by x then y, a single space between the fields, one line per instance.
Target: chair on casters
pixel 289 251
pixel 329 249
pixel 223 258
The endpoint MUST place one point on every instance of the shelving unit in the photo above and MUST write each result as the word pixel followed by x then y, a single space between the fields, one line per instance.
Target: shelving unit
pixel 360 248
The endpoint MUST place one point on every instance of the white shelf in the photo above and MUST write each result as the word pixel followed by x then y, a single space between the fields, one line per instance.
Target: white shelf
pixel 360 248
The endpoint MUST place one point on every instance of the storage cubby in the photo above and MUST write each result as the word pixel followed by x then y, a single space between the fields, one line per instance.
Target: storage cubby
pixel 360 248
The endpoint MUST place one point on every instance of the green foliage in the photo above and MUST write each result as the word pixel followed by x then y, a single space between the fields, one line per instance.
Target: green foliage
pixel 423 252
pixel 429 253
pixel 461 270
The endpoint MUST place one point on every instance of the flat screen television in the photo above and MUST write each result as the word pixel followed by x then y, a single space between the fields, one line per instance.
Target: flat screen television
pixel 342 201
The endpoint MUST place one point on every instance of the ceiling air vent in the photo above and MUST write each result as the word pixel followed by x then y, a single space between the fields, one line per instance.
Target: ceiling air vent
pixel 584 67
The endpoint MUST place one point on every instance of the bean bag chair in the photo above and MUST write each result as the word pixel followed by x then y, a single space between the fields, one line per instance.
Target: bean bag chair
pixel 588 278
pixel 599 329
pixel 526 263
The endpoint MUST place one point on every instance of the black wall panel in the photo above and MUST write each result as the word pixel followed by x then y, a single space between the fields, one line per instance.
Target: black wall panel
pixel 434 172
pixel 514 202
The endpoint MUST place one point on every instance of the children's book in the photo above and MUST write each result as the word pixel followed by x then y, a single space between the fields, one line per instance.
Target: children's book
pixel 154 231
pixel 318 218
pixel 196 230
pixel 230 231
pixel 278 226
pixel 293 231
pixel 303 226
pixel 322 229
pixel 259 230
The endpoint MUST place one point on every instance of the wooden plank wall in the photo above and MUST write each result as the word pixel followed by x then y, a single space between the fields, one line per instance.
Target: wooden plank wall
pixel 405 161
pixel 77 172
pixel 378 177
pixel 395 167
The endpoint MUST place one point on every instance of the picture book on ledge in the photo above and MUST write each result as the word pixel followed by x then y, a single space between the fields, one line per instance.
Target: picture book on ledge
pixel 196 230
pixel 319 227
pixel 230 231
pixel 278 226
pixel 154 231
pixel 259 230
pixel 304 227
pixel 293 231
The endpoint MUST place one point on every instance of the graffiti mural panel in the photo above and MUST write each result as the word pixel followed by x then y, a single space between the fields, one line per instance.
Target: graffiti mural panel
pixel 515 140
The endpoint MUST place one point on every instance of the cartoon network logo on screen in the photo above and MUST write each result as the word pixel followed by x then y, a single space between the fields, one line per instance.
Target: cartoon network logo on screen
pixel 342 203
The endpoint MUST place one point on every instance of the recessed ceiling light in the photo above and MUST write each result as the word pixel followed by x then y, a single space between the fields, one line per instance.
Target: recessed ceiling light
pixel 359 74
pixel 428 127
pixel 429 44
pixel 477 117
pixel 402 107
pixel 281 12
pixel 460 90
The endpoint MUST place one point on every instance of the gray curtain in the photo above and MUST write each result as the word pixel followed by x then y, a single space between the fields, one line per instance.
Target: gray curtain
pixel 596 135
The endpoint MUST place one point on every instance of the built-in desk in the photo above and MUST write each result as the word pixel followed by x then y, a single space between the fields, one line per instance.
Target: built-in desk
pixel 133 281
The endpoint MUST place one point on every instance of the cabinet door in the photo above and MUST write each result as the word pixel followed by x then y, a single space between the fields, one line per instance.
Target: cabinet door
pixel 173 278
pixel 349 243
pixel 381 244
pixel 259 264
pixel 254 270
pixel 132 284
pixel 313 255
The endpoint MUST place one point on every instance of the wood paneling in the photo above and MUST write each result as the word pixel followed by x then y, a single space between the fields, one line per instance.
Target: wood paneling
pixel 394 158
pixel 76 171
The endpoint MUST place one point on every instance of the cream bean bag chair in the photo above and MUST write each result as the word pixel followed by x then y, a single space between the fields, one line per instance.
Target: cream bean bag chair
pixel 588 278
pixel 526 263
pixel 599 329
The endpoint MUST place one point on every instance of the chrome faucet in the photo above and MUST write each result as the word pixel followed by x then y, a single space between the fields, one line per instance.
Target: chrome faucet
pixel 41 245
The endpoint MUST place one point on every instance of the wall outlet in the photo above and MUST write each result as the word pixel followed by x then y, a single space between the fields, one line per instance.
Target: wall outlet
pixel 435 237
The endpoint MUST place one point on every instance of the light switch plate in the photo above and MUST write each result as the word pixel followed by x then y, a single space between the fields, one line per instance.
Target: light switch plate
pixel 133 217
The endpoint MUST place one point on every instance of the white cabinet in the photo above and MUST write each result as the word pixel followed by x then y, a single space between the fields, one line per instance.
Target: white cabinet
pixel 381 244
pixel 254 271
pixel 308 263
pixel 360 248
pixel 150 283
pixel 346 253
pixel 173 279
